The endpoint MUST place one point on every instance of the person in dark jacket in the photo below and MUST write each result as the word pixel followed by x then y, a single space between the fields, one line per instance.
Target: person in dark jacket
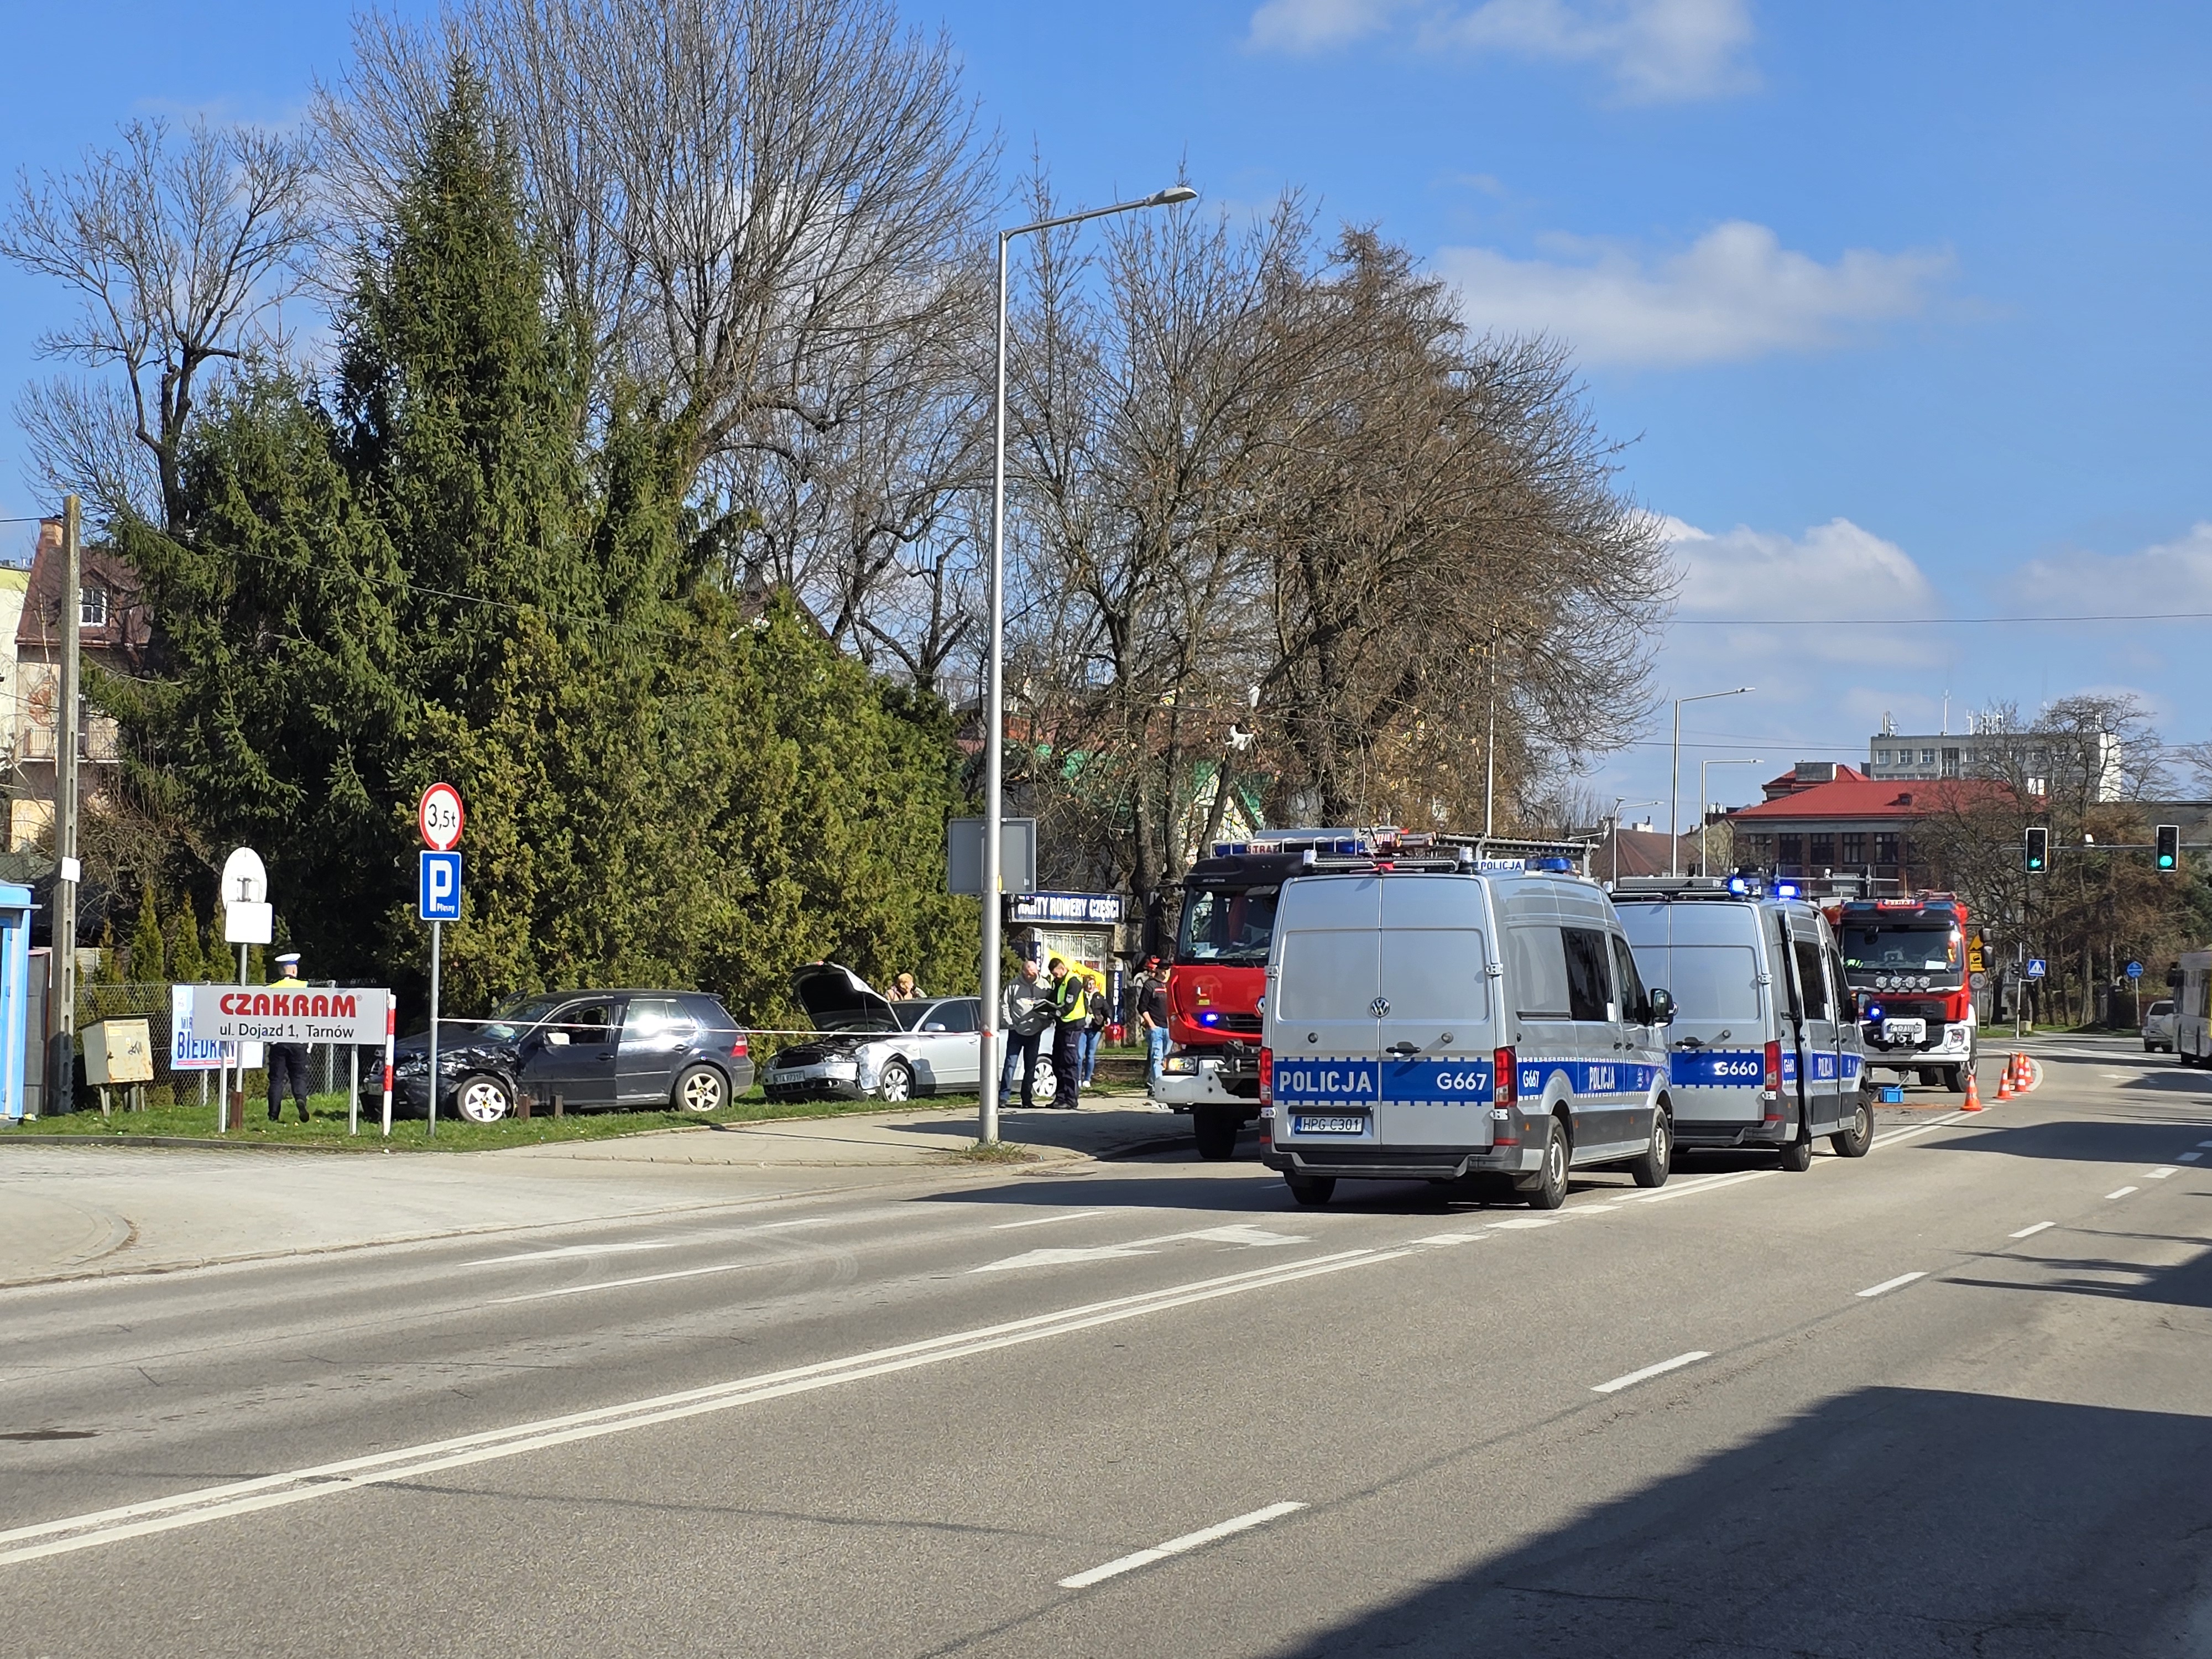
pixel 288 1061
pixel 1025 1014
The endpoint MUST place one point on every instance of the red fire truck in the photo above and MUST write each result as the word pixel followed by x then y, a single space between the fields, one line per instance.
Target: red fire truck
pixel 1219 973
pixel 1908 961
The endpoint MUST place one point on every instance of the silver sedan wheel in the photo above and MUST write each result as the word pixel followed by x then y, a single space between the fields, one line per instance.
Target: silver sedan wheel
pixel 700 1089
pixel 482 1099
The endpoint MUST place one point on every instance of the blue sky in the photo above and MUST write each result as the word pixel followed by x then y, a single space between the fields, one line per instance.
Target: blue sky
pixel 1904 307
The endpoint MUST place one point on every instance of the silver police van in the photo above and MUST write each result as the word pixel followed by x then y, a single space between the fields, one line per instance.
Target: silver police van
pixel 1440 1022
pixel 1765 1050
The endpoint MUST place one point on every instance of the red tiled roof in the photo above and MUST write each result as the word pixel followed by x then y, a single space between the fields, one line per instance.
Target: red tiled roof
pixel 1860 797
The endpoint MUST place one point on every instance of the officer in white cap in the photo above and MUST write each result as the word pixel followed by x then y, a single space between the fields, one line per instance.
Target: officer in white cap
pixel 287 1060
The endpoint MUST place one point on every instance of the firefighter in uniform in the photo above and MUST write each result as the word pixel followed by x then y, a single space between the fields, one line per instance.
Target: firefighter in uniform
pixel 287 1060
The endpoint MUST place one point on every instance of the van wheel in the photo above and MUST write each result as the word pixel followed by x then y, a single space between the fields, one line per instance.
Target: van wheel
pixel 1651 1169
pixel 1550 1190
pixel 1216 1131
pixel 1955 1079
pixel 1311 1189
pixel 1798 1153
pixel 1854 1141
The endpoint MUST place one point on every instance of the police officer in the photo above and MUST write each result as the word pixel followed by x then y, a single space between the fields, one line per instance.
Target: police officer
pixel 1071 1008
pixel 286 1059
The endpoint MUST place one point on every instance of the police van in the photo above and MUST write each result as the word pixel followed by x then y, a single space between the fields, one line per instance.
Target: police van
pixel 1766 1047
pixel 1438 1020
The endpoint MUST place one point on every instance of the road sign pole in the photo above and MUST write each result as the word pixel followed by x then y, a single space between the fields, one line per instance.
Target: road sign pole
pixel 437 928
pixel 391 1026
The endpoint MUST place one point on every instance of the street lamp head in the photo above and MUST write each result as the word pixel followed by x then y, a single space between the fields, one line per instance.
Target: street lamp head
pixel 1173 194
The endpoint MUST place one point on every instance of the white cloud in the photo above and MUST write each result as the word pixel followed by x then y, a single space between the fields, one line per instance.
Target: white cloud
pixel 1833 569
pixel 1652 51
pixel 1312 24
pixel 2175 575
pixel 1737 293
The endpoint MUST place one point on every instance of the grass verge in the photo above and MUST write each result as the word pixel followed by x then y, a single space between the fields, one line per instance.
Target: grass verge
pixel 326 1129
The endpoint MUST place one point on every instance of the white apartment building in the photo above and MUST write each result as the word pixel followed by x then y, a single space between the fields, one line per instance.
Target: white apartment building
pixel 1986 750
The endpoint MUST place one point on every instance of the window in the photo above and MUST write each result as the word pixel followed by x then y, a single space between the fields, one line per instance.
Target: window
pixel 1435 973
pixel 1630 981
pixel 1707 982
pixel 1854 847
pixel 1329 975
pixel 1823 848
pixel 1950 762
pixel 1762 848
pixel 656 1019
pixel 1539 973
pixel 92 607
pixel 1791 854
pixel 959 1015
pixel 1881 758
pixel 1590 980
pixel 584 1021
pixel 1812 982
pixel 1928 757
pixel 1885 848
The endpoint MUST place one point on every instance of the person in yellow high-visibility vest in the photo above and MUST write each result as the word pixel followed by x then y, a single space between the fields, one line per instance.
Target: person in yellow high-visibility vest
pixel 1071 1007
pixel 288 1061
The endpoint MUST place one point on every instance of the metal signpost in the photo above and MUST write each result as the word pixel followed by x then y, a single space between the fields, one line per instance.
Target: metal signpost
pixel 248 919
pixel 439 816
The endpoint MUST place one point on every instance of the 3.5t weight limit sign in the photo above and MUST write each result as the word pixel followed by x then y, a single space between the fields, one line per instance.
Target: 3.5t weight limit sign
pixel 439 816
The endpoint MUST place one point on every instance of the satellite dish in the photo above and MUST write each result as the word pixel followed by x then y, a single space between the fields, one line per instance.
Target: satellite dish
pixel 244 880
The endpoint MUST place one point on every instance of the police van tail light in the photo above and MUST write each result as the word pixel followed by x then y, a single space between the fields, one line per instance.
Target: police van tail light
pixel 1504 1070
pixel 1771 1085
pixel 1267 1077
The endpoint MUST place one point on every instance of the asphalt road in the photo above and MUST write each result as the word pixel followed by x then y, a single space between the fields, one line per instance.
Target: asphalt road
pixel 1953 1398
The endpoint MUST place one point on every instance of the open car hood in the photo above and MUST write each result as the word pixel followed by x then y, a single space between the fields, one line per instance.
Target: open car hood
pixel 838 999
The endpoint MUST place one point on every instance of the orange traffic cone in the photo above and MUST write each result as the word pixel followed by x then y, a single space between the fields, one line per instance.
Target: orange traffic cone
pixel 2004 1084
pixel 1974 1093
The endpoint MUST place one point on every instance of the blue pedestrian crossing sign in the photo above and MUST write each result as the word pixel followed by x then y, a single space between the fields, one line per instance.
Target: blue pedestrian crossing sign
pixel 438 891
pixel 2134 970
pixel 2033 970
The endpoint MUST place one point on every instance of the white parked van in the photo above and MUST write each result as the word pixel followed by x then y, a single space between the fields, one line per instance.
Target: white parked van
pixel 1441 1023
pixel 1765 1050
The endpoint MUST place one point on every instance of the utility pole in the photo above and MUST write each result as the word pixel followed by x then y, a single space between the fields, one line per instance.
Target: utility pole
pixel 62 1062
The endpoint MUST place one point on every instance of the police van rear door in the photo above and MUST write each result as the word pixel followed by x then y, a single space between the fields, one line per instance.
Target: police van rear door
pixel 1705 954
pixel 1325 984
pixel 1434 1028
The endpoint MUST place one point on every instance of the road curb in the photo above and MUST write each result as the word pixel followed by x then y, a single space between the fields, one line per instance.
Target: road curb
pixel 9 1139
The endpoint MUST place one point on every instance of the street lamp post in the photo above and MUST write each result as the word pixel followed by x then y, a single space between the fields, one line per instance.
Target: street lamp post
pixel 1617 800
pixel 1705 806
pixel 994 694
pixel 1674 779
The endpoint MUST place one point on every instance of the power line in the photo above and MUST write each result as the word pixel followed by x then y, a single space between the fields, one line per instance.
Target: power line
pixel 1932 622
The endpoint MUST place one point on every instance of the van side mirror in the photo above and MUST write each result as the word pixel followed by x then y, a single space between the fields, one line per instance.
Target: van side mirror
pixel 1659 1008
pixel 2172 978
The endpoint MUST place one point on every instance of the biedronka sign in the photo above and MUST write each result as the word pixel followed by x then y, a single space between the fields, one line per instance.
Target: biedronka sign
pixel 238 1013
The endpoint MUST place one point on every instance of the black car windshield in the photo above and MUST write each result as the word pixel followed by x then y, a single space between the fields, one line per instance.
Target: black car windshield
pixel 514 1021
pixel 1911 950
pixel 1232 926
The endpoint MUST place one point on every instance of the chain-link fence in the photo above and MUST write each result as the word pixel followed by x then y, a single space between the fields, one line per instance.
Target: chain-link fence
pixel 326 1062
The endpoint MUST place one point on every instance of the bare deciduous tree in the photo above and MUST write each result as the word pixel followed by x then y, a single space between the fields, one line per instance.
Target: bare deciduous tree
pixel 178 253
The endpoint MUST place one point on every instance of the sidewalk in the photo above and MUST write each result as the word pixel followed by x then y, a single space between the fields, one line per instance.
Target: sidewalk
pixel 94 1209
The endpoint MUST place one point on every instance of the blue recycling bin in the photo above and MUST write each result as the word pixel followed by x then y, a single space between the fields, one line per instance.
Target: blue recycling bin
pixel 16 994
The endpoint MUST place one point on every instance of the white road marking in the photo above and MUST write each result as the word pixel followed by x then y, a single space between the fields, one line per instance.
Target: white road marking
pixel 1527 1221
pixel 1888 1285
pixel 568 1252
pixel 2190 1157
pixel 2030 1232
pixel 624 1284
pixel 1189 1540
pixel 2120 1193
pixel 1242 1233
pixel 208 1504
pixel 1040 1220
pixel 718 1235
pixel 1451 1238
pixel 1670 1190
pixel 1651 1371
pixel 2160 1173
pixel 2204 1143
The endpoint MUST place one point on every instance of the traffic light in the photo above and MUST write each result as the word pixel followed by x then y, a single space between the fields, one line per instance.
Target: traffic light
pixel 2169 847
pixel 2038 849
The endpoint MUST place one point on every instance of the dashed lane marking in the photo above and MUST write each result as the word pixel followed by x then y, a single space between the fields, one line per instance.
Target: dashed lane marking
pixel 1889 1284
pixel 2120 1192
pixel 1651 1371
pixel 1041 1220
pixel 1189 1540
pixel 2030 1232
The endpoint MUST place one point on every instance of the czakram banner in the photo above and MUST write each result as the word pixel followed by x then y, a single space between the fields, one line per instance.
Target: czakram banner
pixel 241 1013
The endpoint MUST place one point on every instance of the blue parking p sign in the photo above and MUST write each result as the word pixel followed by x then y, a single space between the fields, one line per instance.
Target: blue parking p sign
pixel 2035 968
pixel 437 891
